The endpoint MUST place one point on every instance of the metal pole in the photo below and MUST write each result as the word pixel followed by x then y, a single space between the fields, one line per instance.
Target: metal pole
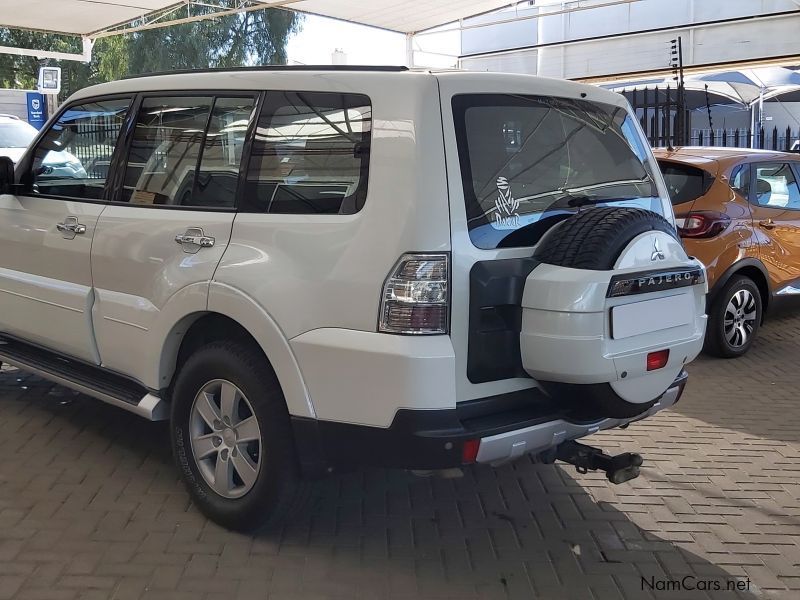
pixel 681 91
pixel 51 101
pixel 761 110
pixel 676 62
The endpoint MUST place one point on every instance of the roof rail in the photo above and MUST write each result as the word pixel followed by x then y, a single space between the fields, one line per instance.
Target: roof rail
pixel 379 68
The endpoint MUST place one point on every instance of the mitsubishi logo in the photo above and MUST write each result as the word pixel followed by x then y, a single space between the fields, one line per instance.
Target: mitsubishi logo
pixel 657 253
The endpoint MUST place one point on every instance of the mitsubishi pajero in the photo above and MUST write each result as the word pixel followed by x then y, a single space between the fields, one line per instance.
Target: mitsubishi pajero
pixel 306 270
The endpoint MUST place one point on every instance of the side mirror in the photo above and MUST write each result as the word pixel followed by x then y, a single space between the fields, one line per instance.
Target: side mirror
pixel 6 175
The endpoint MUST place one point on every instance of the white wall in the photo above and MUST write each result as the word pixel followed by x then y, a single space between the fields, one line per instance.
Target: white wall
pixel 568 57
pixel 521 61
pixel 524 32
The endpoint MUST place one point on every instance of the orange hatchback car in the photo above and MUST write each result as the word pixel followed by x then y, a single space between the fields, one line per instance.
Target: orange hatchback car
pixel 738 211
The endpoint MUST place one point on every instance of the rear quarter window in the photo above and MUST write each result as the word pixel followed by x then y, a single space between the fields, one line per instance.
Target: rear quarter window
pixel 685 183
pixel 310 154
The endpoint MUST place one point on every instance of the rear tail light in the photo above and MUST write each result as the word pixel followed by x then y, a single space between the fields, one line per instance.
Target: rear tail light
pixel 702 224
pixel 416 296
pixel 657 360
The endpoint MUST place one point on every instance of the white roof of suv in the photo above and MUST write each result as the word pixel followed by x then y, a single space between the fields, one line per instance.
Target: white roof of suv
pixel 321 78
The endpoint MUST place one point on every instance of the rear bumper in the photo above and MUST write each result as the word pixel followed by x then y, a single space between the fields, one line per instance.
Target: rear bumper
pixel 507 426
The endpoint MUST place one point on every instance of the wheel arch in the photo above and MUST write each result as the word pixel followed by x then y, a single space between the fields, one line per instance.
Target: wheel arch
pixel 755 270
pixel 238 318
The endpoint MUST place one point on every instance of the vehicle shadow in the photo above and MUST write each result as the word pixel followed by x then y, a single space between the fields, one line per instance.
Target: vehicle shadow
pixel 101 480
pixel 755 394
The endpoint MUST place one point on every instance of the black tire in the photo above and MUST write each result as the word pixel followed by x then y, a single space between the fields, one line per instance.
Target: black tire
pixel 717 342
pixel 594 238
pixel 278 489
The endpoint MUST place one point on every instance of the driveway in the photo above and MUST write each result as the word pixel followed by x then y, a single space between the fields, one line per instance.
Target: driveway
pixel 90 507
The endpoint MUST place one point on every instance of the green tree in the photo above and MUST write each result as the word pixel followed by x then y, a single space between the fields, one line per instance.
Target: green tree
pixel 253 38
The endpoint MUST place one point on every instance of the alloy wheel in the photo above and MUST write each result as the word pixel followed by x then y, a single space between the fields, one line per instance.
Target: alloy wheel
pixel 740 318
pixel 225 438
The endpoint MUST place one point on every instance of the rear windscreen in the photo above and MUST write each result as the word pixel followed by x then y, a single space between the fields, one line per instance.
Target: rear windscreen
pixel 528 162
pixel 684 183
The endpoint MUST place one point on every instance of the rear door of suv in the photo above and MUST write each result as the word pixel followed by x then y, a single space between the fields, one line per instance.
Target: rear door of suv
pixel 513 151
pixel 159 242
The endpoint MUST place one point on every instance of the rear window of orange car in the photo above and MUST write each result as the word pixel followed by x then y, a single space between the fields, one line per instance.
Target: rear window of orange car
pixel 685 183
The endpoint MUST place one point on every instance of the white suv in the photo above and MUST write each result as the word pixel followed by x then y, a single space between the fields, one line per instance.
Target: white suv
pixel 308 270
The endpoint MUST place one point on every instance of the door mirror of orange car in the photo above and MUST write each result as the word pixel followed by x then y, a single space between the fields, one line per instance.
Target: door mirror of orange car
pixel 6 175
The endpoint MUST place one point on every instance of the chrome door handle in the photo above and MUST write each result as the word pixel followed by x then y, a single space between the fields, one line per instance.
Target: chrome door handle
pixel 767 224
pixel 71 225
pixel 195 236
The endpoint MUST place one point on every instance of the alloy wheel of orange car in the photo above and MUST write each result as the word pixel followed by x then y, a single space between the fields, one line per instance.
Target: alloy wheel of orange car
pixel 740 318
pixel 734 318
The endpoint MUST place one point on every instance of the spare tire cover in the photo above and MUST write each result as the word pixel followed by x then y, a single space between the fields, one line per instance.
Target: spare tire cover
pixel 595 239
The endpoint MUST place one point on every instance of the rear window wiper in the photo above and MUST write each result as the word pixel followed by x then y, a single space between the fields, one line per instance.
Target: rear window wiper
pixel 576 200
pixel 573 200
pixel 580 199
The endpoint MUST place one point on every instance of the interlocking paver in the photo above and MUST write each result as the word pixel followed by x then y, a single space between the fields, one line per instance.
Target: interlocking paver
pixel 91 507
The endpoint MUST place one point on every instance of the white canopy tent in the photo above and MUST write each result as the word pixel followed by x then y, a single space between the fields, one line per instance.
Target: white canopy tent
pixel 93 19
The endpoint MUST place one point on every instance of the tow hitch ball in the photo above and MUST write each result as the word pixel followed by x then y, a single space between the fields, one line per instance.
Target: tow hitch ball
pixel 619 469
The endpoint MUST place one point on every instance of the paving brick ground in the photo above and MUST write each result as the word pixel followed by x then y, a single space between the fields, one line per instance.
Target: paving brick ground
pixel 90 507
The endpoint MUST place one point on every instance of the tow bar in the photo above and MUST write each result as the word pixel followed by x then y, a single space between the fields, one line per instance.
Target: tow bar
pixel 619 469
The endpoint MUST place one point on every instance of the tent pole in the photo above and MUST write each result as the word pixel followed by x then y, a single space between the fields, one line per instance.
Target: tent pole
pixel 757 119
pixel 410 50
pixel 760 112
pixel 88 46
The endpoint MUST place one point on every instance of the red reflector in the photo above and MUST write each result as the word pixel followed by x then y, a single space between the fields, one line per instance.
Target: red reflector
pixel 470 451
pixel 657 360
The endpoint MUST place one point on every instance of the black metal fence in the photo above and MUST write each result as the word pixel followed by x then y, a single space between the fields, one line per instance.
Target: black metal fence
pixel 770 138
pixel 665 124
pixel 658 109
pixel 92 143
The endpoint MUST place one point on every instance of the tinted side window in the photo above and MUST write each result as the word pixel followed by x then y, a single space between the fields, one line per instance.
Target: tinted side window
pixel 73 158
pixel 740 180
pixel 310 154
pixel 684 183
pixel 165 150
pixel 776 186
pixel 218 172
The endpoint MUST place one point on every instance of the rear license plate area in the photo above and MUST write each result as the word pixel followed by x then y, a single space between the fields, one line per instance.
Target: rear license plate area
pixel 647 316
